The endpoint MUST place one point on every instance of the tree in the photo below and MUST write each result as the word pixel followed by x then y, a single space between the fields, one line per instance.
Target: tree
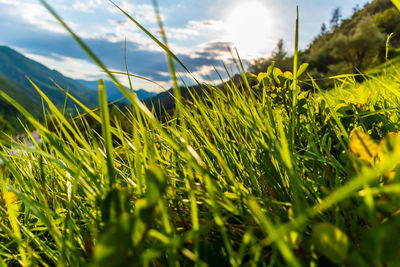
pixel 360 43
pixel 323 28
pixel 279 55
pixel 389 20
pixel 356 8
pixel 319 54
pixel 259 65
pixel 336 17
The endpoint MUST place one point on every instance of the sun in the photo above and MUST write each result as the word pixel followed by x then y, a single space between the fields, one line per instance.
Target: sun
pixel 249 26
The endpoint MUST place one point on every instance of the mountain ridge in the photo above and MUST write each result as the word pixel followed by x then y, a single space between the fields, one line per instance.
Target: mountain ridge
pixel 112 91
pixel 17 68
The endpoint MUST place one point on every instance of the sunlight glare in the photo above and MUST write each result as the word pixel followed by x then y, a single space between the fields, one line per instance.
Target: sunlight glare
pixel 249 28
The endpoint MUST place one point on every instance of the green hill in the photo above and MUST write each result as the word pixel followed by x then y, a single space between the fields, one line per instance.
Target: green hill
pixel 350 45
pixel 8 114
pixel 15 68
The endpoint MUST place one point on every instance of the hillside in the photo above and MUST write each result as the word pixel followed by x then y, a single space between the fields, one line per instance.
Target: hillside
pixel 346 45
pixel 8 114
pixel 15 68
pixel 165 101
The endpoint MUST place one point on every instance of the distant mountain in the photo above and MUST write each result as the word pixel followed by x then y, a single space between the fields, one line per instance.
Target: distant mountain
pixel 165 101
pixel 14 68
pixel 113 93
pixel 8 114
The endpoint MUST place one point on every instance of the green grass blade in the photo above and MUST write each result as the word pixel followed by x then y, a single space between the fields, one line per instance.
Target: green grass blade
pixel 396 3
pixel 106 132
pixel 295 79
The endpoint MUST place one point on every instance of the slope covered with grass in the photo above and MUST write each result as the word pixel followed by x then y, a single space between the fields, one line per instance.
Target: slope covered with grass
pixel 346 45
pixel 249 176
pixel 15 68
pixel 228 185
pixel 9 116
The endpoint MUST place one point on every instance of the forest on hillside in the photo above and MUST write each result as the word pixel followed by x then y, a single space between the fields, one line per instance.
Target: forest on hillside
pixel 350 45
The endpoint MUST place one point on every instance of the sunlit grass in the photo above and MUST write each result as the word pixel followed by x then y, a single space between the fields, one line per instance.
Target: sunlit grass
pixel 262 175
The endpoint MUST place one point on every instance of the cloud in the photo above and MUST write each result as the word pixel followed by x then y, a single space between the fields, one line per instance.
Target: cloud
pixel 143 13
pixel 181 33
pixel 68 66
pixel 119 30
pixel 41 38
pixel 214 50
pixel 195 29
pixel 206 24
pixel 87 6
pixel 60 51
pixel 31 13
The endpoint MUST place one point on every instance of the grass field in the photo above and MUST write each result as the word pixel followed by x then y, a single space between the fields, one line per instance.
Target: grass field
pixel 268 175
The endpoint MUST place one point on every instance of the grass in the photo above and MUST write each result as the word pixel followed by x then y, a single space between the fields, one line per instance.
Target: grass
pixel 262 175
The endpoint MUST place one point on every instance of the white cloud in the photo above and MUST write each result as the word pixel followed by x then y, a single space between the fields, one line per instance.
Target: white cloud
pixel 164 73
pixel 33 13
pixel 119 30
pixel 143 13
pixel 113 26
pixel 70 67
pixel 205 70
pixel 207 24
pixel 87 5
pixel 195 29
pixel 181 34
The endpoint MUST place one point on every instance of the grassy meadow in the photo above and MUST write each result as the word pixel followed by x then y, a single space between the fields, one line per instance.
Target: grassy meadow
pixel 261 173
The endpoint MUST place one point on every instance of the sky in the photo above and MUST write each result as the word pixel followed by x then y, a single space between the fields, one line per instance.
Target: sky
pixel 199 32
